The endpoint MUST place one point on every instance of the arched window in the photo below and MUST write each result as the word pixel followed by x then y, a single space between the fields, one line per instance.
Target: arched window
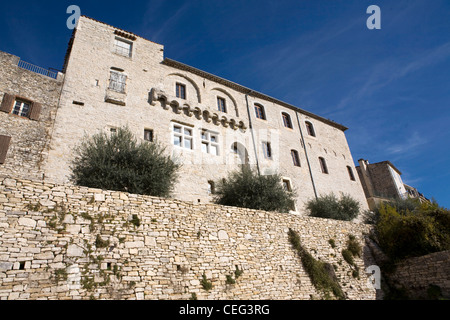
pixel 259 110
pixel 286 120
pixel 350 173
pixel 310 128
pixel 323 165
pixel 295 158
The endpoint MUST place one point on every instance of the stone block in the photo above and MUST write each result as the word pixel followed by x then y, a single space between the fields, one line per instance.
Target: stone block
pixel 27 222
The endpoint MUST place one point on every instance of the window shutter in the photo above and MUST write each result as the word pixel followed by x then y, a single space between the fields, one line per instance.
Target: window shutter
pixel 7 103
pixel 35 111
pixel 4 145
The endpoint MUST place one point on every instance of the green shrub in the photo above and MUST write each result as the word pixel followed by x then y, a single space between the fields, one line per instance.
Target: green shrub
pixel 118 162
pixel 330 207
pixel 247 189
pixel 402 232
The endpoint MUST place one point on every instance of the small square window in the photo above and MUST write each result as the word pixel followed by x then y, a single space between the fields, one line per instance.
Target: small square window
pixel 287 185
pixel 123 47
pixel 210 142
pixel 148 135
pixel 21 108
pixel 182 136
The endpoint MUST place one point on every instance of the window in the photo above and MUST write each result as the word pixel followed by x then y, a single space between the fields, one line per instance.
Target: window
pixel 210 142
pixel 286 120
pixel 117 81
pixel 221 104
pixel 287 185
pixel 295 158
pixel 182 136
pixel 21 108
pixel 211 187
pixel 259 110
pixel 267 150
pixel 350 173
pixel 122 47
pixel 148 135
pixel 323 165
pixel 180 90
pixel 310 129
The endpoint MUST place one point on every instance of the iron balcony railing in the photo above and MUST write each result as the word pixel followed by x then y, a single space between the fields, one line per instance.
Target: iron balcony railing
pixel 31 67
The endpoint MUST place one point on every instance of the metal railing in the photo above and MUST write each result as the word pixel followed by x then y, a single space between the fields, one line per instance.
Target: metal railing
pixel 31 67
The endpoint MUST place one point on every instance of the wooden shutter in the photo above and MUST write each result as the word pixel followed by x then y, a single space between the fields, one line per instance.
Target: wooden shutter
pixel 7 103
pixel 4 145
pixel 35 111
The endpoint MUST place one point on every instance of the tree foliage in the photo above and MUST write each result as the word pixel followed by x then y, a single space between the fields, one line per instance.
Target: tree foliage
pixel 247 189
pixel 405 231
pixel 118 162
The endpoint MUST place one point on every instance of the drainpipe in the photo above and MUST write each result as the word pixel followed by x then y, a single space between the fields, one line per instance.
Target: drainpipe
pixel 251 130
pixel 306 154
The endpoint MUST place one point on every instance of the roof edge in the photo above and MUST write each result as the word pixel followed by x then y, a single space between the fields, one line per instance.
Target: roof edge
pixel 243 89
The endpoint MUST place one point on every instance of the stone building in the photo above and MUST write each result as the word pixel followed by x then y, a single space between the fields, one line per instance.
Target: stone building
pixel 382 181
pixel 114 78
pixel 29 99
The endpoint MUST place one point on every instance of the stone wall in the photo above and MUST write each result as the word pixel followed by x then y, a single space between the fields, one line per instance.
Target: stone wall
pixel 69 242
pixel 30 139
pixel 417 274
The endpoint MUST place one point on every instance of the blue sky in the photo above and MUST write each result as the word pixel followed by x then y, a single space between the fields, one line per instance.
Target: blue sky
pixel 391 86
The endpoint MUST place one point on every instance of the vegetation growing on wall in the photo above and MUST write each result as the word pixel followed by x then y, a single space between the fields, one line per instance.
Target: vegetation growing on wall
pixel 118 162
pixel 321 274
pixel 245 188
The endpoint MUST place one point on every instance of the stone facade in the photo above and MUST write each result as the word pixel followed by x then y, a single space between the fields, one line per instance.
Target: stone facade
pixel 68 242
pixel 108 87
pixel 382 182
pixel 29 134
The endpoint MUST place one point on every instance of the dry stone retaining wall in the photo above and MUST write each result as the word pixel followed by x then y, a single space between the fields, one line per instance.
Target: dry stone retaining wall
pixel 70 242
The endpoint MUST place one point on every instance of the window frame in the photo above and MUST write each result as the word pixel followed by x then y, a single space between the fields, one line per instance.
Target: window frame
pixel 223 107
pixel 351 174
pixel 262 113
pixel 148 132
pixel 120 50
pixel 183 136
pixel 181 94
pixel 120 84
pixel 208 141
pixel 310 128
pixel 295 158
pixel 267 150
pixel 287 121
pixel 323 165
pixel 21 107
